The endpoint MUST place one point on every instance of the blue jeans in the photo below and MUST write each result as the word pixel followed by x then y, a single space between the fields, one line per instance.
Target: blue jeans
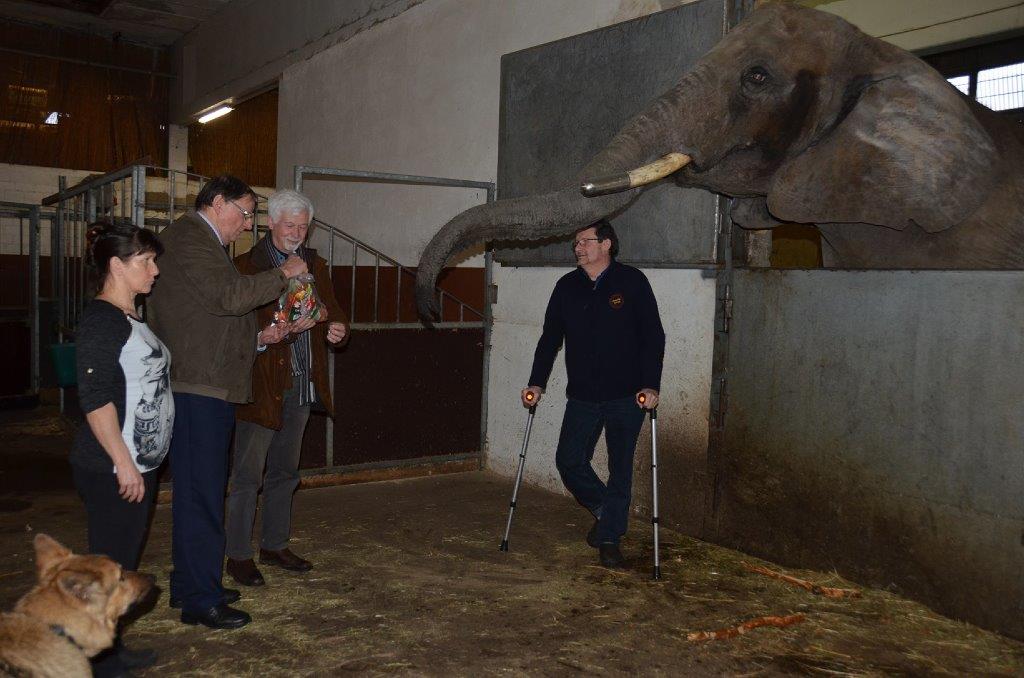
pixel 199 462
pixel 581 428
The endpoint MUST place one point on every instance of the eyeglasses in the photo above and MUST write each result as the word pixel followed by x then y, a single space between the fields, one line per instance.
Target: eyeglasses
pixel 583 241
pixel 246 214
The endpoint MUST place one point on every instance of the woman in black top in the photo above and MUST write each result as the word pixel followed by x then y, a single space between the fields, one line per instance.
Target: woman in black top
pixel 124 391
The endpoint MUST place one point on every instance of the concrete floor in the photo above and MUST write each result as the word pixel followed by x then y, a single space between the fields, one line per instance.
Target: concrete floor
pixel 409 580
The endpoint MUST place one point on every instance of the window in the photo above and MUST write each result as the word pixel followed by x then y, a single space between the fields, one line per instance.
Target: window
pixel 992 73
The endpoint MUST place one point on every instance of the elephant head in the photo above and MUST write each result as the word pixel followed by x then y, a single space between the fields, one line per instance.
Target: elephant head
pixel 803 118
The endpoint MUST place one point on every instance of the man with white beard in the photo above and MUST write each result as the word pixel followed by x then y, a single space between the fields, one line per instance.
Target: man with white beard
pixel 287 378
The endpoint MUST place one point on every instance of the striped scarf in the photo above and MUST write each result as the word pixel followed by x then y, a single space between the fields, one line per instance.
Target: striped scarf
pixel 302 354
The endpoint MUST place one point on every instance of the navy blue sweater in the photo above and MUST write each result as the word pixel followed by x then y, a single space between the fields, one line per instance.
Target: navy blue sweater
pixel 614 342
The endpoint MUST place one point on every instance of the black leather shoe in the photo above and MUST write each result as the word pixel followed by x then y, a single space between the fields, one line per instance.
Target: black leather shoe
pixel 592 536
pixel 244 572
pixel 230 596
pixel 286 559
pixel 217 617
pixel 610 555
pixel 137 659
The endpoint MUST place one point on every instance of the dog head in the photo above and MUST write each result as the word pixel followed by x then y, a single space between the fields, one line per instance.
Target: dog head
pixel 84 594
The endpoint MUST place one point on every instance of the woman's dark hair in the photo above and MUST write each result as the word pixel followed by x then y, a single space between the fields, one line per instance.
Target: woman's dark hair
pixel 232 188
pixel 604 231
pixel 104 240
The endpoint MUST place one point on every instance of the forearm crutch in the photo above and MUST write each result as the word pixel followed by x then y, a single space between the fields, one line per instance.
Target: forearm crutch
pixel 654 484
pixel 519 473
pixel 654 489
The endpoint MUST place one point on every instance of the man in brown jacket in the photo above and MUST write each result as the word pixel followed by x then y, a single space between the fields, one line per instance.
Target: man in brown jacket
pixel 201 307
pixel 287 379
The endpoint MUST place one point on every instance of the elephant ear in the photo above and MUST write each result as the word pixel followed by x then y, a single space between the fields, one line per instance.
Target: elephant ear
pixel 900 149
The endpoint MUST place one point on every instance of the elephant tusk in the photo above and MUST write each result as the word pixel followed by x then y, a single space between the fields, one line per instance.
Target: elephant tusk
pixel 659 169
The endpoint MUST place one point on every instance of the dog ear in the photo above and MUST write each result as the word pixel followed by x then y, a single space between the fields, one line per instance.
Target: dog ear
pixel 79 585
pixel 48 553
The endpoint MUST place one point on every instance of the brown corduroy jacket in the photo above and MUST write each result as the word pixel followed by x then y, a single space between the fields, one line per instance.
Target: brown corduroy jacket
pixel 272 373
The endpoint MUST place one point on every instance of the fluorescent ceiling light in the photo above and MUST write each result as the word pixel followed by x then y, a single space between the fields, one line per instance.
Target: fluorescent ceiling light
pixel 213 115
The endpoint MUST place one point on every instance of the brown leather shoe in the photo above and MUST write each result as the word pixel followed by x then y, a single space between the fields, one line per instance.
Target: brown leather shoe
pixel 244 572
pixel 286 559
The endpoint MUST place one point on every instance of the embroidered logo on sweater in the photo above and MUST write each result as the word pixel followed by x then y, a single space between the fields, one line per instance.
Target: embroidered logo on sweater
pixel 616 301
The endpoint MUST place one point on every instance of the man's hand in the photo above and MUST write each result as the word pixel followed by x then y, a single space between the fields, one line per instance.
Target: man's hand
pixel 649 400
pixel 531 395
pixel 293 266
pixel 273 333
pixel 335 332
pixel 301 325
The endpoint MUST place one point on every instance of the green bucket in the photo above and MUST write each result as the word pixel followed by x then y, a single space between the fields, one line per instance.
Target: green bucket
pixel 64 364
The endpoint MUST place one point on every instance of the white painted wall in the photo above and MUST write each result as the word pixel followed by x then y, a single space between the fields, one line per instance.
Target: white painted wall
pixel 30 184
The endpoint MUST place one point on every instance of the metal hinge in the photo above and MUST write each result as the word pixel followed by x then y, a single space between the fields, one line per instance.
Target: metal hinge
pixel 726 309
pixel 721 401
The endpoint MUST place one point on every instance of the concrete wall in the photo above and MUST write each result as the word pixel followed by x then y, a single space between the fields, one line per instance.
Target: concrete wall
pixel 30 184
pixel 874 426
pixel 686 303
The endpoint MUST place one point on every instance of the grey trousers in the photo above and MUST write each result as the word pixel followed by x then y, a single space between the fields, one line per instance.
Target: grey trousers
pixel 257 447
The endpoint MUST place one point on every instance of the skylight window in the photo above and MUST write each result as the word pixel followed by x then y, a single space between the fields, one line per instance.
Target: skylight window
pixel 962 83
pixel 1002 88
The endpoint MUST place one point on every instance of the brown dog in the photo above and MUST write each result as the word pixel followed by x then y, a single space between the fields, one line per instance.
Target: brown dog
pixel 70 615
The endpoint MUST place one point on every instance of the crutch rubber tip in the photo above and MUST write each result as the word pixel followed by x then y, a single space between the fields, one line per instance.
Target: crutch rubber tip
pixel 657 573
pixel 504 545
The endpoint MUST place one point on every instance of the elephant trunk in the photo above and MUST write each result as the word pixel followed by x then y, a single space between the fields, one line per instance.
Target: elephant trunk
pixel 559 212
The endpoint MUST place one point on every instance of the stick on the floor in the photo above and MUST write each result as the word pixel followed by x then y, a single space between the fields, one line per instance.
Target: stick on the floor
pixel 826 591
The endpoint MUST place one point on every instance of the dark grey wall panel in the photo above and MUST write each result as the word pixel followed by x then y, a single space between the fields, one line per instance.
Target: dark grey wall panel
pixel 875 424
pixel 562 102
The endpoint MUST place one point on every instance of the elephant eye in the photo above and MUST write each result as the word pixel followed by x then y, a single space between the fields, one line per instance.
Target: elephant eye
pixel 756 76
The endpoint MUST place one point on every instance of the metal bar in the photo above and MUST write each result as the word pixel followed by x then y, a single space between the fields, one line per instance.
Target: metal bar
pixel 172 196
pixel 139 195
pixel 329 428
pixel 352 292
pixel 89 216
pixel 398 294
pixel 33 295
pixel 67 193
pixel 486 358
pixel 301 170
pixel 57 259
pixel 376 285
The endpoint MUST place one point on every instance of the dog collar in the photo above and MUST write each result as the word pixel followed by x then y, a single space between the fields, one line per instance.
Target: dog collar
pixel 59 630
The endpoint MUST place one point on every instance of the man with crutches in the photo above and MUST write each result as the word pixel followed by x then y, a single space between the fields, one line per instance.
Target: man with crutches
pixel 607 316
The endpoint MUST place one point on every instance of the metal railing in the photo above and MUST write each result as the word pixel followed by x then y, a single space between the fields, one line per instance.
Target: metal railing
pixel 468 317
pixel 153 197
pixel 25 241
pixel 484 322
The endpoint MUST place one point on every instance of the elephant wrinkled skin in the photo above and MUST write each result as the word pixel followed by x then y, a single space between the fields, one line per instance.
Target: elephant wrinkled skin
pixel 801 117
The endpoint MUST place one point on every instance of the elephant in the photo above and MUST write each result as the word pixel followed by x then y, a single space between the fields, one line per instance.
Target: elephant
pixel 800 117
